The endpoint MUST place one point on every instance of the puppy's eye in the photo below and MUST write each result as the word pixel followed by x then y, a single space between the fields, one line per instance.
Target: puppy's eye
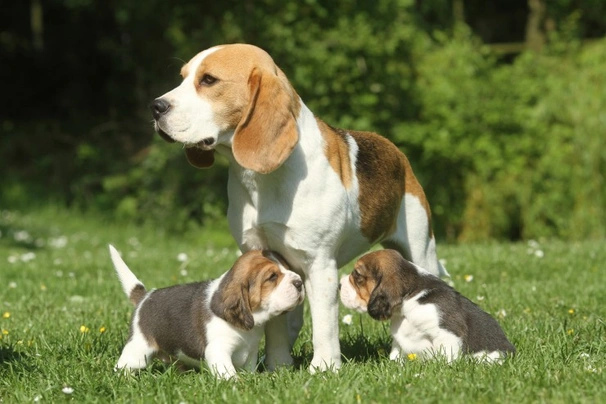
pixel 357 278
pixel 208 80
pixel 272 278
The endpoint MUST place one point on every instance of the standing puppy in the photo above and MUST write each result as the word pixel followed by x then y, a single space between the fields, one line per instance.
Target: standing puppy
pixel 318 195
pixel 428 317
pixel 220 320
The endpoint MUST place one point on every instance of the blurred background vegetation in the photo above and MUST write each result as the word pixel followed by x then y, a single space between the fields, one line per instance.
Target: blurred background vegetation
pixel 500 105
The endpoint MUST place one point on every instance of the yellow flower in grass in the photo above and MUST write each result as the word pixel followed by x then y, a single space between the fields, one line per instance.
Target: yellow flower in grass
pixel 4 332
pixel 412 357
pixel 102 330
pixel 6 314
pixel 84 329
pixel 571 311
pixel 570 332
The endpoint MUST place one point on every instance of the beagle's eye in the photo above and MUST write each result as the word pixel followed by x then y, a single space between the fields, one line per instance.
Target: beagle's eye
pixel 357 278
pixel 272 277
pixel 208 80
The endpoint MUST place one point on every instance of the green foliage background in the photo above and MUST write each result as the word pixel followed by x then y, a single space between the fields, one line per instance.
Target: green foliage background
pixel 506 148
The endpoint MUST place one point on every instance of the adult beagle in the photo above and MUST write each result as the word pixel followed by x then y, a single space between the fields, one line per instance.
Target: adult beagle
pixel 428 317
pixel 318 195
pixel 220 321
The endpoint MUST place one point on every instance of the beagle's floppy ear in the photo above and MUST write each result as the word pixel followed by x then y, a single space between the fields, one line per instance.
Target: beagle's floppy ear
pixel 200 158
pixel 267 132
pixel 390 287
pixel 383 299
pixel 231 303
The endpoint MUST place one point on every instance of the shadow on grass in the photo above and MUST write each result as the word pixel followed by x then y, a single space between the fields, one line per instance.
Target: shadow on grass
pixel 9 358
pixel 363 348
pixel 356 347
pixel 8 355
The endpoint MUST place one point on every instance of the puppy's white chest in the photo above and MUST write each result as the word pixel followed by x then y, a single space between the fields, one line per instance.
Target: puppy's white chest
pixel 417 330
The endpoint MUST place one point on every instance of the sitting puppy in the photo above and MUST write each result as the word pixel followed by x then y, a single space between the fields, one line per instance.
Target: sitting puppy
pixel 219 320
pixel 428 317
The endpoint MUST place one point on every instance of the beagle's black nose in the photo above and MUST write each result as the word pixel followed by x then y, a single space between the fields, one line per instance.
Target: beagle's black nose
pixel 298 284
pixel 159 107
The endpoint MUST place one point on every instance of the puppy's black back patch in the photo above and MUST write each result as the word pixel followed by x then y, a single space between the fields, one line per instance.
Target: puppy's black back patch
pixel 175 318
pixel 459 315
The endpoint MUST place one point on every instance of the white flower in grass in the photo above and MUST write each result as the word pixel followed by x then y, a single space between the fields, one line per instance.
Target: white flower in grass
pixel 183 272
pixel 539 253
pixel 58 242
pixel 22 235
pixel 67 390
pixel 37 399
pixel 12 285
pixel 501 313
pixel 28 256
pixel 468 278
pixel 133 241
pixel 347 319
pixel 182 257
pixel 12 259
pixel 479 298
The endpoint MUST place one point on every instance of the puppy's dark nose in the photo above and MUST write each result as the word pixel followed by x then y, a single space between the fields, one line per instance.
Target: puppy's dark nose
pixel 208 141
pixel 298 284
pixel 159 107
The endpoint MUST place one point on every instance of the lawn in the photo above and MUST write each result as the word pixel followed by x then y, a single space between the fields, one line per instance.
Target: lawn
pixel 64 319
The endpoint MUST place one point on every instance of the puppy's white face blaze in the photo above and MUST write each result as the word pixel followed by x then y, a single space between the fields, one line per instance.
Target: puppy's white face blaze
pixel 190 118
pixel 283 297
pixel 349 296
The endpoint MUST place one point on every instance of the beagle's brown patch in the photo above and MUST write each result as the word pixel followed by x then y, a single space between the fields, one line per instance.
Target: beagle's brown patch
pixel 337 152
pixel 384 177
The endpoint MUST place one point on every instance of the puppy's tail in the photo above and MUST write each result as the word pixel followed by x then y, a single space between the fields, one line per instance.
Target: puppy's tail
pixel 133 287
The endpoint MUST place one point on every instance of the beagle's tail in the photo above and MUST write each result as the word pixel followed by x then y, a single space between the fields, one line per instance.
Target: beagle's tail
pixel 132 286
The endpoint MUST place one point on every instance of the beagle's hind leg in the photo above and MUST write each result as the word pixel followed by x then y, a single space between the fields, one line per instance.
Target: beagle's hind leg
pixel 136 354
pixel 413 237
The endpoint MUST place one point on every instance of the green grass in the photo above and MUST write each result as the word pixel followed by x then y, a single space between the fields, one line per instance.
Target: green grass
pixel 551 305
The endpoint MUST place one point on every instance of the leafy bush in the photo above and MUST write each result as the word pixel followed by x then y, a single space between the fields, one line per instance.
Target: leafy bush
pixel 517 146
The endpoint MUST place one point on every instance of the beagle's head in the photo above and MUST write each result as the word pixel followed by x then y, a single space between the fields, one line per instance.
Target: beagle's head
pixel 257 288
pixel 378 284
pixel 233 96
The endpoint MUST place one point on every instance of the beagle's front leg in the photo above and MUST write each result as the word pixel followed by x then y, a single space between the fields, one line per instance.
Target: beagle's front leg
pixel 277 347
pixel 219 361
pixel 321 286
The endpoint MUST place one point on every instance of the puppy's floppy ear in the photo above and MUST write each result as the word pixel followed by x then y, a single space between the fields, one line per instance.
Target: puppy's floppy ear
pixel 231 303
pixel 382 301
pixel 267 132
pixel 200 158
